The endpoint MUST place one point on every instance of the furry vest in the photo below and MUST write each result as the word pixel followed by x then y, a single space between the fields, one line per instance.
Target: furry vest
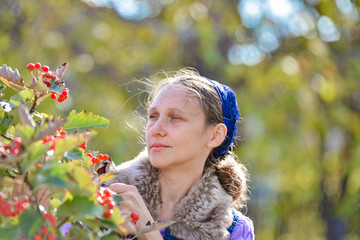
pixel 204 213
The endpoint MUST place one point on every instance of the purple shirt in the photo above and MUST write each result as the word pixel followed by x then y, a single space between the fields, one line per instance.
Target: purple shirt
pixel 243 230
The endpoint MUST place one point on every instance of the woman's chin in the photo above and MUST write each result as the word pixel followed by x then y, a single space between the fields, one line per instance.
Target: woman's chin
pixel 157 163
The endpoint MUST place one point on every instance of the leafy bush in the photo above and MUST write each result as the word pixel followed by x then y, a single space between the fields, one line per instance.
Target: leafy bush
pixel 48 179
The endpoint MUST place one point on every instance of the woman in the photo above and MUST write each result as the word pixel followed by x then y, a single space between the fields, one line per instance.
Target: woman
pixel 187 173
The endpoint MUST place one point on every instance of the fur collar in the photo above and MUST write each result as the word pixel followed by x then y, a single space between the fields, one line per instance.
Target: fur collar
pixel 203 213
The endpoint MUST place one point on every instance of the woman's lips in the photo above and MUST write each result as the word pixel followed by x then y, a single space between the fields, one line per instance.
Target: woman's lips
pixel 158 146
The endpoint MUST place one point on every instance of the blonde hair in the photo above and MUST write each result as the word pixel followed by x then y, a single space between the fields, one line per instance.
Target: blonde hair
pixel 232 175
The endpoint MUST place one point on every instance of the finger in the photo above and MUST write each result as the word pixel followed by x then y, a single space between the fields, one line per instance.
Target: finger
pixel 121 188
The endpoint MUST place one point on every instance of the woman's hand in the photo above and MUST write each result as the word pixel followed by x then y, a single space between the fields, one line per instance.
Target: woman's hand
pixel 133 203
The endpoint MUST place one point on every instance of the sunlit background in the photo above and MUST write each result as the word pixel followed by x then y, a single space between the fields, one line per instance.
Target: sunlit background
pixel 294 65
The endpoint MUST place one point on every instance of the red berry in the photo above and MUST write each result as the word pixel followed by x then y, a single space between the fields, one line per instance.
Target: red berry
pixel 52 147
pixel 37 65
pixel 45 68
pixel 89 155
pixel 47 83
pixel 16 145
pixel 37 237
pixel 48 139
pixel 52 236
pixel 62 133
pixel 6 147
pixel 95 160
pixel 48 75
pixel 53 96
pixel 17 141
pixel 108 213
pixel 106 157
pixel 111 204
pixel 107 199
pixel 100 156
pixel 107 193
pixel 61 98
pixel 83 146
pixel 134 216
pixel 31 66
pixel 44 230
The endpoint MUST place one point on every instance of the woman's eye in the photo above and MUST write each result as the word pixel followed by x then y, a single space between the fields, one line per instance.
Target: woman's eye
pixel 175 117
pixel 152 116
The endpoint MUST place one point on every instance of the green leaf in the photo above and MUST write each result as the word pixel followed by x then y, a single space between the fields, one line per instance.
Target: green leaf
pixel 84 121
pixel 84 183
pixel 117 199
pixel 109 237
pixel 35 153
pixel 9 233
pixel 23 96
pixel 3 172
pixel 24 131
pixel 30 222
pixel 106 177
pixel 77 233
pixel 69 142
pixel 114 221
pixel 5 122
pixel 54 174
pixel 74 154
pixel 11 78
pixel 80 207
pixel 47 129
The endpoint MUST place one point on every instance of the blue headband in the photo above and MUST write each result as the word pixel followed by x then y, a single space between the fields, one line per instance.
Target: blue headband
pixel 231 115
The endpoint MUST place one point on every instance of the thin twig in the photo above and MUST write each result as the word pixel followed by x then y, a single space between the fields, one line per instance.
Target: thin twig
pixel 7 137
pixel 34 103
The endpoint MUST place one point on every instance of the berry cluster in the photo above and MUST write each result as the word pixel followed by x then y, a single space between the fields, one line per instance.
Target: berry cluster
pixel 12 208
pixel 51 138
pixel 99 157
pixel 46 75
pixel 51 219
pixel 47 78
pixel 44 234
pixel 15 147
pixel 134 217
pixel 62 96
pixel 105 199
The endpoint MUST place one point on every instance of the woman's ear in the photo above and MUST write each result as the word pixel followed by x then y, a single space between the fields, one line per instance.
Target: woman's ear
pixel 218 134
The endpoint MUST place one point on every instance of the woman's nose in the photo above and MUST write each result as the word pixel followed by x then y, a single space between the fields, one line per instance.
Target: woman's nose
pixel 159 128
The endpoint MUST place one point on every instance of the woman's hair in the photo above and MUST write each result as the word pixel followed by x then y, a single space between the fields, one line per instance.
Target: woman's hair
pixel 232 175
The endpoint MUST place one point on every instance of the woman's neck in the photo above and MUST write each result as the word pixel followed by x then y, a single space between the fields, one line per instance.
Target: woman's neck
pixel 173 186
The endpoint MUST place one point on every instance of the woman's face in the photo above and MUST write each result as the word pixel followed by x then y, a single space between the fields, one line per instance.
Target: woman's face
pixel 176 132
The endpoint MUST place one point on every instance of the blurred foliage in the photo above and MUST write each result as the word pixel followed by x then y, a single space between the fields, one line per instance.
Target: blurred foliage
pixel 300 104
